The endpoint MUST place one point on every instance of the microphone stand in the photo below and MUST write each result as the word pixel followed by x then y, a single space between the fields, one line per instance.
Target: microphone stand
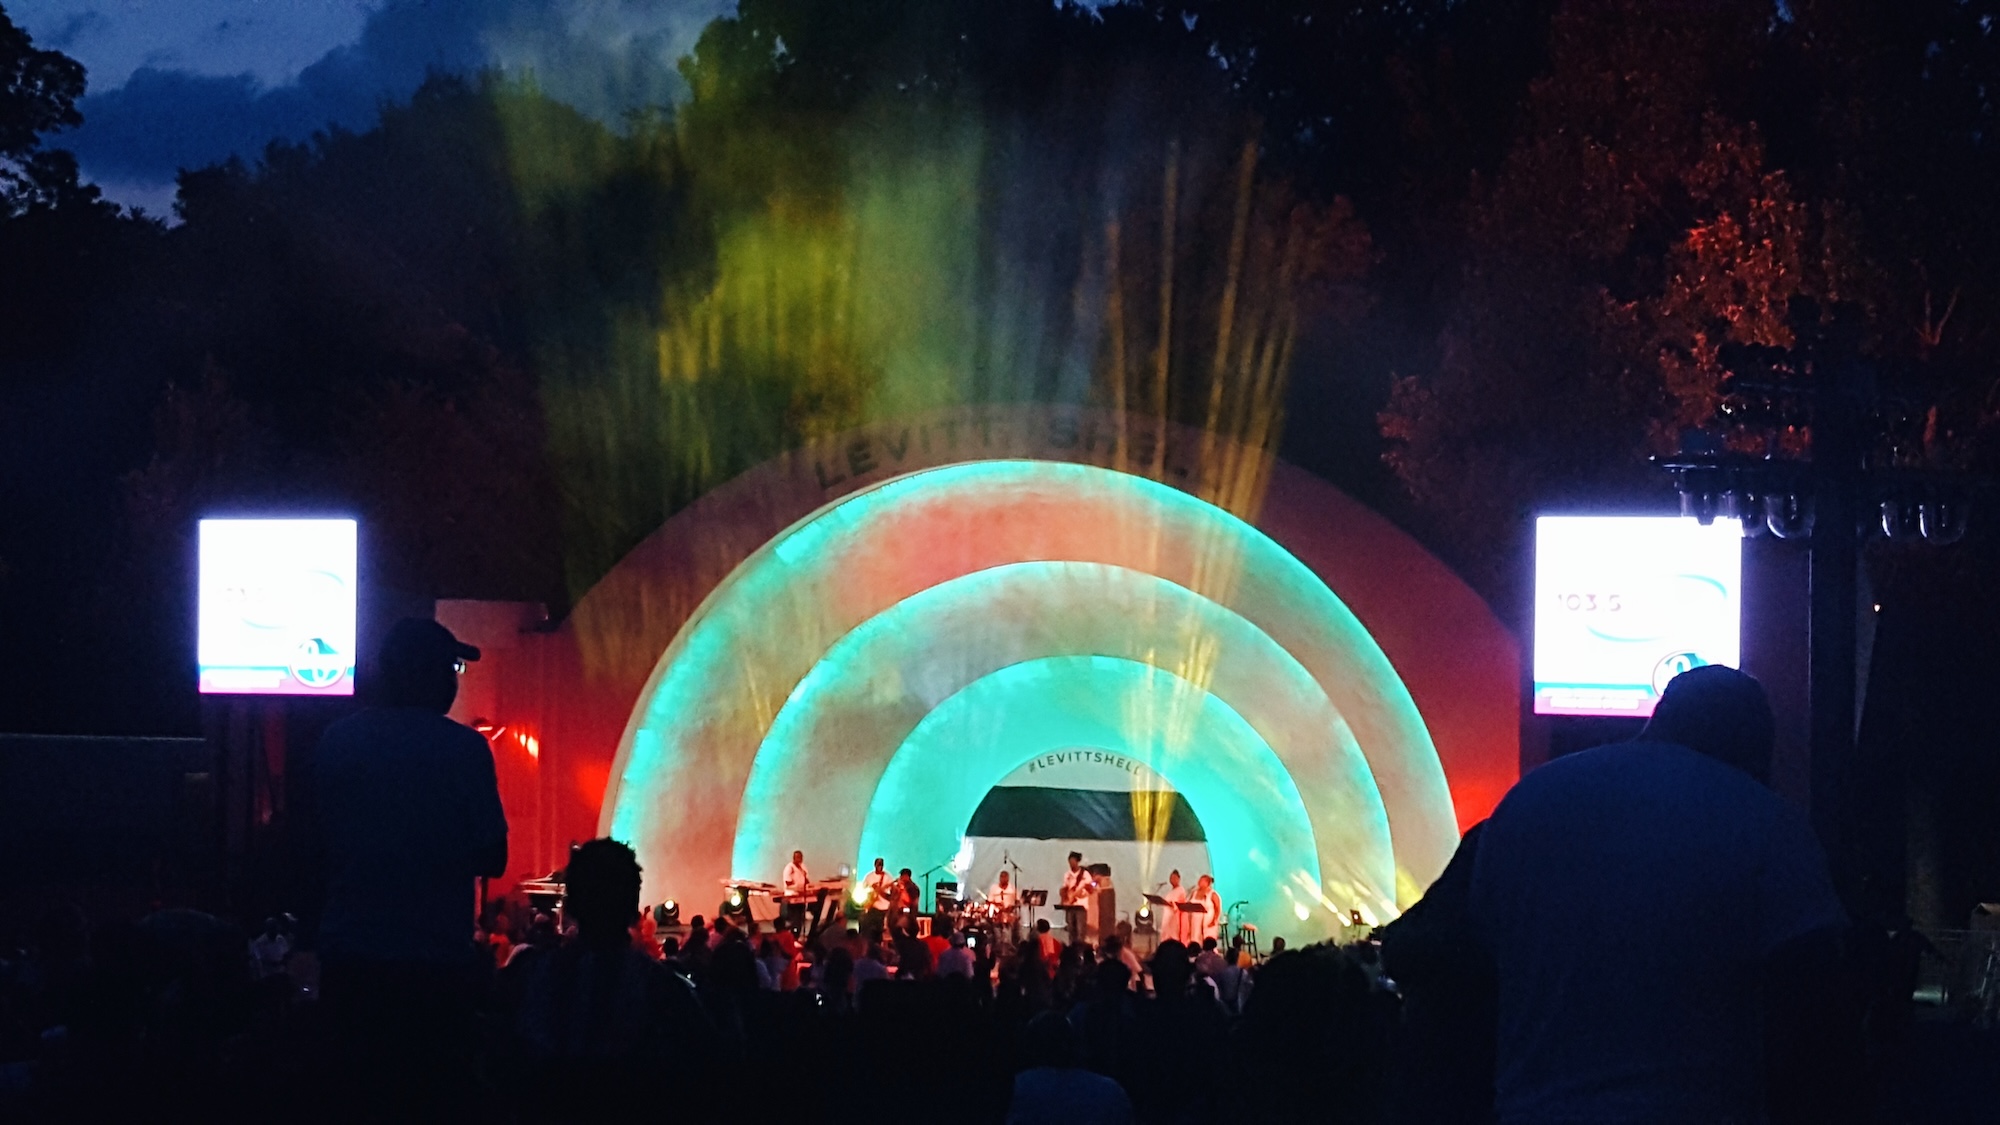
pixel 927 883
pixel 1020 890
pixel 1229 914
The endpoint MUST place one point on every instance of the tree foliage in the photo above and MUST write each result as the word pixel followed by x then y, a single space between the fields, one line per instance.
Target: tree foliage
pixel 38 93
pixel 1680 180
pixel 1468 258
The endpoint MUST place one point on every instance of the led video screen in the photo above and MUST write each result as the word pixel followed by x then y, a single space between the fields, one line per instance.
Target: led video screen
pixel 277 606
pixel 1625 603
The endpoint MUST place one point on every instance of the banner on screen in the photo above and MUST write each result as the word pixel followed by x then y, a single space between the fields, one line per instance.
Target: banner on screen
pixel 277 607
pixel 1625 603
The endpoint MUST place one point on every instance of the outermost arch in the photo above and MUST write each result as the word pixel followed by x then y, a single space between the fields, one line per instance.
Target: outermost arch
pixel 687 752
pixel 574 685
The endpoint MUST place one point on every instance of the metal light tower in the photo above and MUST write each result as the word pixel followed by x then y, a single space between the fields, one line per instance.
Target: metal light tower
pixel 1844 491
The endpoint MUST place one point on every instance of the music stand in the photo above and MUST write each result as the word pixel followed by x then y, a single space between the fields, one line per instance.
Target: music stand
pixel 1189 908
pixel 1031 900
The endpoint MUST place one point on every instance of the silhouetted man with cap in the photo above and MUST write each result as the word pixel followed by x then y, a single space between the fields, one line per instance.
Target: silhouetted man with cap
pixel 410 817
pixel 1582 885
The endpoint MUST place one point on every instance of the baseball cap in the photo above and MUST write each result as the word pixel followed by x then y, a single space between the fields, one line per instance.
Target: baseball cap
pixel 418 642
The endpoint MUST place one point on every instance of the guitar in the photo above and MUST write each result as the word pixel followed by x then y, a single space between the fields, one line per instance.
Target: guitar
pixel 1078 893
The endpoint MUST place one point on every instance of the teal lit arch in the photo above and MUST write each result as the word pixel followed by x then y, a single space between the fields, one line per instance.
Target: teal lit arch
pixel 830 745
pixel 1261 844
pixel 678 782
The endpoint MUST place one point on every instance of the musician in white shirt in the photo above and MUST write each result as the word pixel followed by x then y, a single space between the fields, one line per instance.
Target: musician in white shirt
pixel 876 886
pixel 1208 923
pixel 1077 888
pixel 1005 898
pixel 1176 923
pixel 796 883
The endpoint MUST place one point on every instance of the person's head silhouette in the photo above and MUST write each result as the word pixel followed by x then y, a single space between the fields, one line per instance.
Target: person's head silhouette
pixel 1049 1040
pixel 601 891
pixel 418 665
pixel 1720 713
pixel 1170 969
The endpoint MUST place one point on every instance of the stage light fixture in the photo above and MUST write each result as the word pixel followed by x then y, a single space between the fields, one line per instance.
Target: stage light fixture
pixel 1900 519
pixel 1736 504
pixel 1700 505
pixel 1788 515
pixel 1942 521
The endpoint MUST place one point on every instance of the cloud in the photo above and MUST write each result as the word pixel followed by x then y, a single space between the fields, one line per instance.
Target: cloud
pixel 603 56
pixel 75 27
pixel 272 39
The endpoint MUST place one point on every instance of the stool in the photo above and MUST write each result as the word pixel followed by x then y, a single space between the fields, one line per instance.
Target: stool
pixel 1249 932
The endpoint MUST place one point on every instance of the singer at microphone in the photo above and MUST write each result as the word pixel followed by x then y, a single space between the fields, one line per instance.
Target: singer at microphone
pixel 1177 927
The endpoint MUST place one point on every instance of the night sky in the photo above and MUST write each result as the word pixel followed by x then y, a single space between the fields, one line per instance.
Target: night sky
pixel 182 83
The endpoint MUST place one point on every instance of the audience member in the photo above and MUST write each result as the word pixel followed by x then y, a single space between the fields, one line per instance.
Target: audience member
pixel 1054 1088
pixel 1209 961
pixel 597 1021
pixel 695 948
pixel 1119 948
pixel 1608 1010
pixel 1433 952
pixel 871 966
pixel 1050 947
pixel 956 960
pixel 913 954
pixel 409 816
pixel 270 951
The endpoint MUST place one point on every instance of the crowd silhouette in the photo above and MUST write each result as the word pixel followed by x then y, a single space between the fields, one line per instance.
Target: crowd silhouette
pixel 1524 986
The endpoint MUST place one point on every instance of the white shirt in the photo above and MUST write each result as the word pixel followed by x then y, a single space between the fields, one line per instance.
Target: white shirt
pixel 878 882
pixel 1006 898
pixel 1605 1014
pixel 1177 921
pixel 1077 886
pixel 796 879
pixel 1209 921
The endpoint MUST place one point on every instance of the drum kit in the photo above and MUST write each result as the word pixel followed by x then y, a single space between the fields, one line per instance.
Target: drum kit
pixel 981 916
pixel 987 921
